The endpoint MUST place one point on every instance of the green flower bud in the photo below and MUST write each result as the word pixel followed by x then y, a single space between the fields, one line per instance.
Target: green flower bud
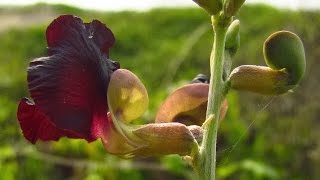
pixel 127 96
pixel 284 50
pixel 211 6
pixel 260 79
pixel 231 7
pixel 233 37
pixel 231 46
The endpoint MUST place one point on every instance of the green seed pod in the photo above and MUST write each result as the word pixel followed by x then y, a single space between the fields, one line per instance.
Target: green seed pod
pixel 284 49
pixel 231 7
pixel 211 6
pixel 260 79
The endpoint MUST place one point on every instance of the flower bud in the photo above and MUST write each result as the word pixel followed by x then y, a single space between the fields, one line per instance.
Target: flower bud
pixel 187 105
pixel 231 7
pixel 233 37
pixel 211 6
pixel 152 139
pixel 284 49
pixel 231 46
pixel 166 138
pixel 127 96
pixel 284 54
pixel 260 79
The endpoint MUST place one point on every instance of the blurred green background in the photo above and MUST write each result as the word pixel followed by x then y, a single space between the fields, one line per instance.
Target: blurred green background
pixel 261 137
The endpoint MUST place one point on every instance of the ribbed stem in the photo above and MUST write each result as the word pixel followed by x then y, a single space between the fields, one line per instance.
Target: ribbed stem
pixel 206 161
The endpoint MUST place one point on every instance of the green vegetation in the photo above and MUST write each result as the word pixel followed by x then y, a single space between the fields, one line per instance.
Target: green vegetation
pixel 261 137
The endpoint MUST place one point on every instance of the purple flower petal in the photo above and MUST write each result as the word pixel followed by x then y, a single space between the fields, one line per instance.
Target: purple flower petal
pixel 101 35
pixel 69 86
pixel 34 124
pixel 64 27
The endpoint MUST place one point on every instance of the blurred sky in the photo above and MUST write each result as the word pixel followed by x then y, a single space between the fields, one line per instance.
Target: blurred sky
pixel 147 4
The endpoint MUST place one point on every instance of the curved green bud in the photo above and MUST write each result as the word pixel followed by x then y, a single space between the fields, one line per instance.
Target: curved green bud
pixel 260 79
pixel 211 6
pixel 284 49
pixel 232 44
pixel 187 105
pixel 231 7
pixel 127 96
pixel 233 37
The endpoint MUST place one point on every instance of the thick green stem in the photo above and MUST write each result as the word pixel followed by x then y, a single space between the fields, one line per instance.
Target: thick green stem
pixel 206 161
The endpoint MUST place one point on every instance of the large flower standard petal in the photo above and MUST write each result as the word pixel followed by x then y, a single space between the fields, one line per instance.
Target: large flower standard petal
pixel 69 86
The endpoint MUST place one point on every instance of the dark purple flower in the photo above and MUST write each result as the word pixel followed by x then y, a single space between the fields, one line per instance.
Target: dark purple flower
pixel 69 86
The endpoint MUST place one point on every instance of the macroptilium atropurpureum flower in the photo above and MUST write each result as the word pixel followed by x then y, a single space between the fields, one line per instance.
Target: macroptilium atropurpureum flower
pixel 78 92
pixel 68 87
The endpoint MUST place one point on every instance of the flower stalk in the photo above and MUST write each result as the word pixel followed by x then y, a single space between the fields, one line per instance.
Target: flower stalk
pixel 205 164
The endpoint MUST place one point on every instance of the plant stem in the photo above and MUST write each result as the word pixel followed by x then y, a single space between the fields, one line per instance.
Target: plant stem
pixel 206 161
